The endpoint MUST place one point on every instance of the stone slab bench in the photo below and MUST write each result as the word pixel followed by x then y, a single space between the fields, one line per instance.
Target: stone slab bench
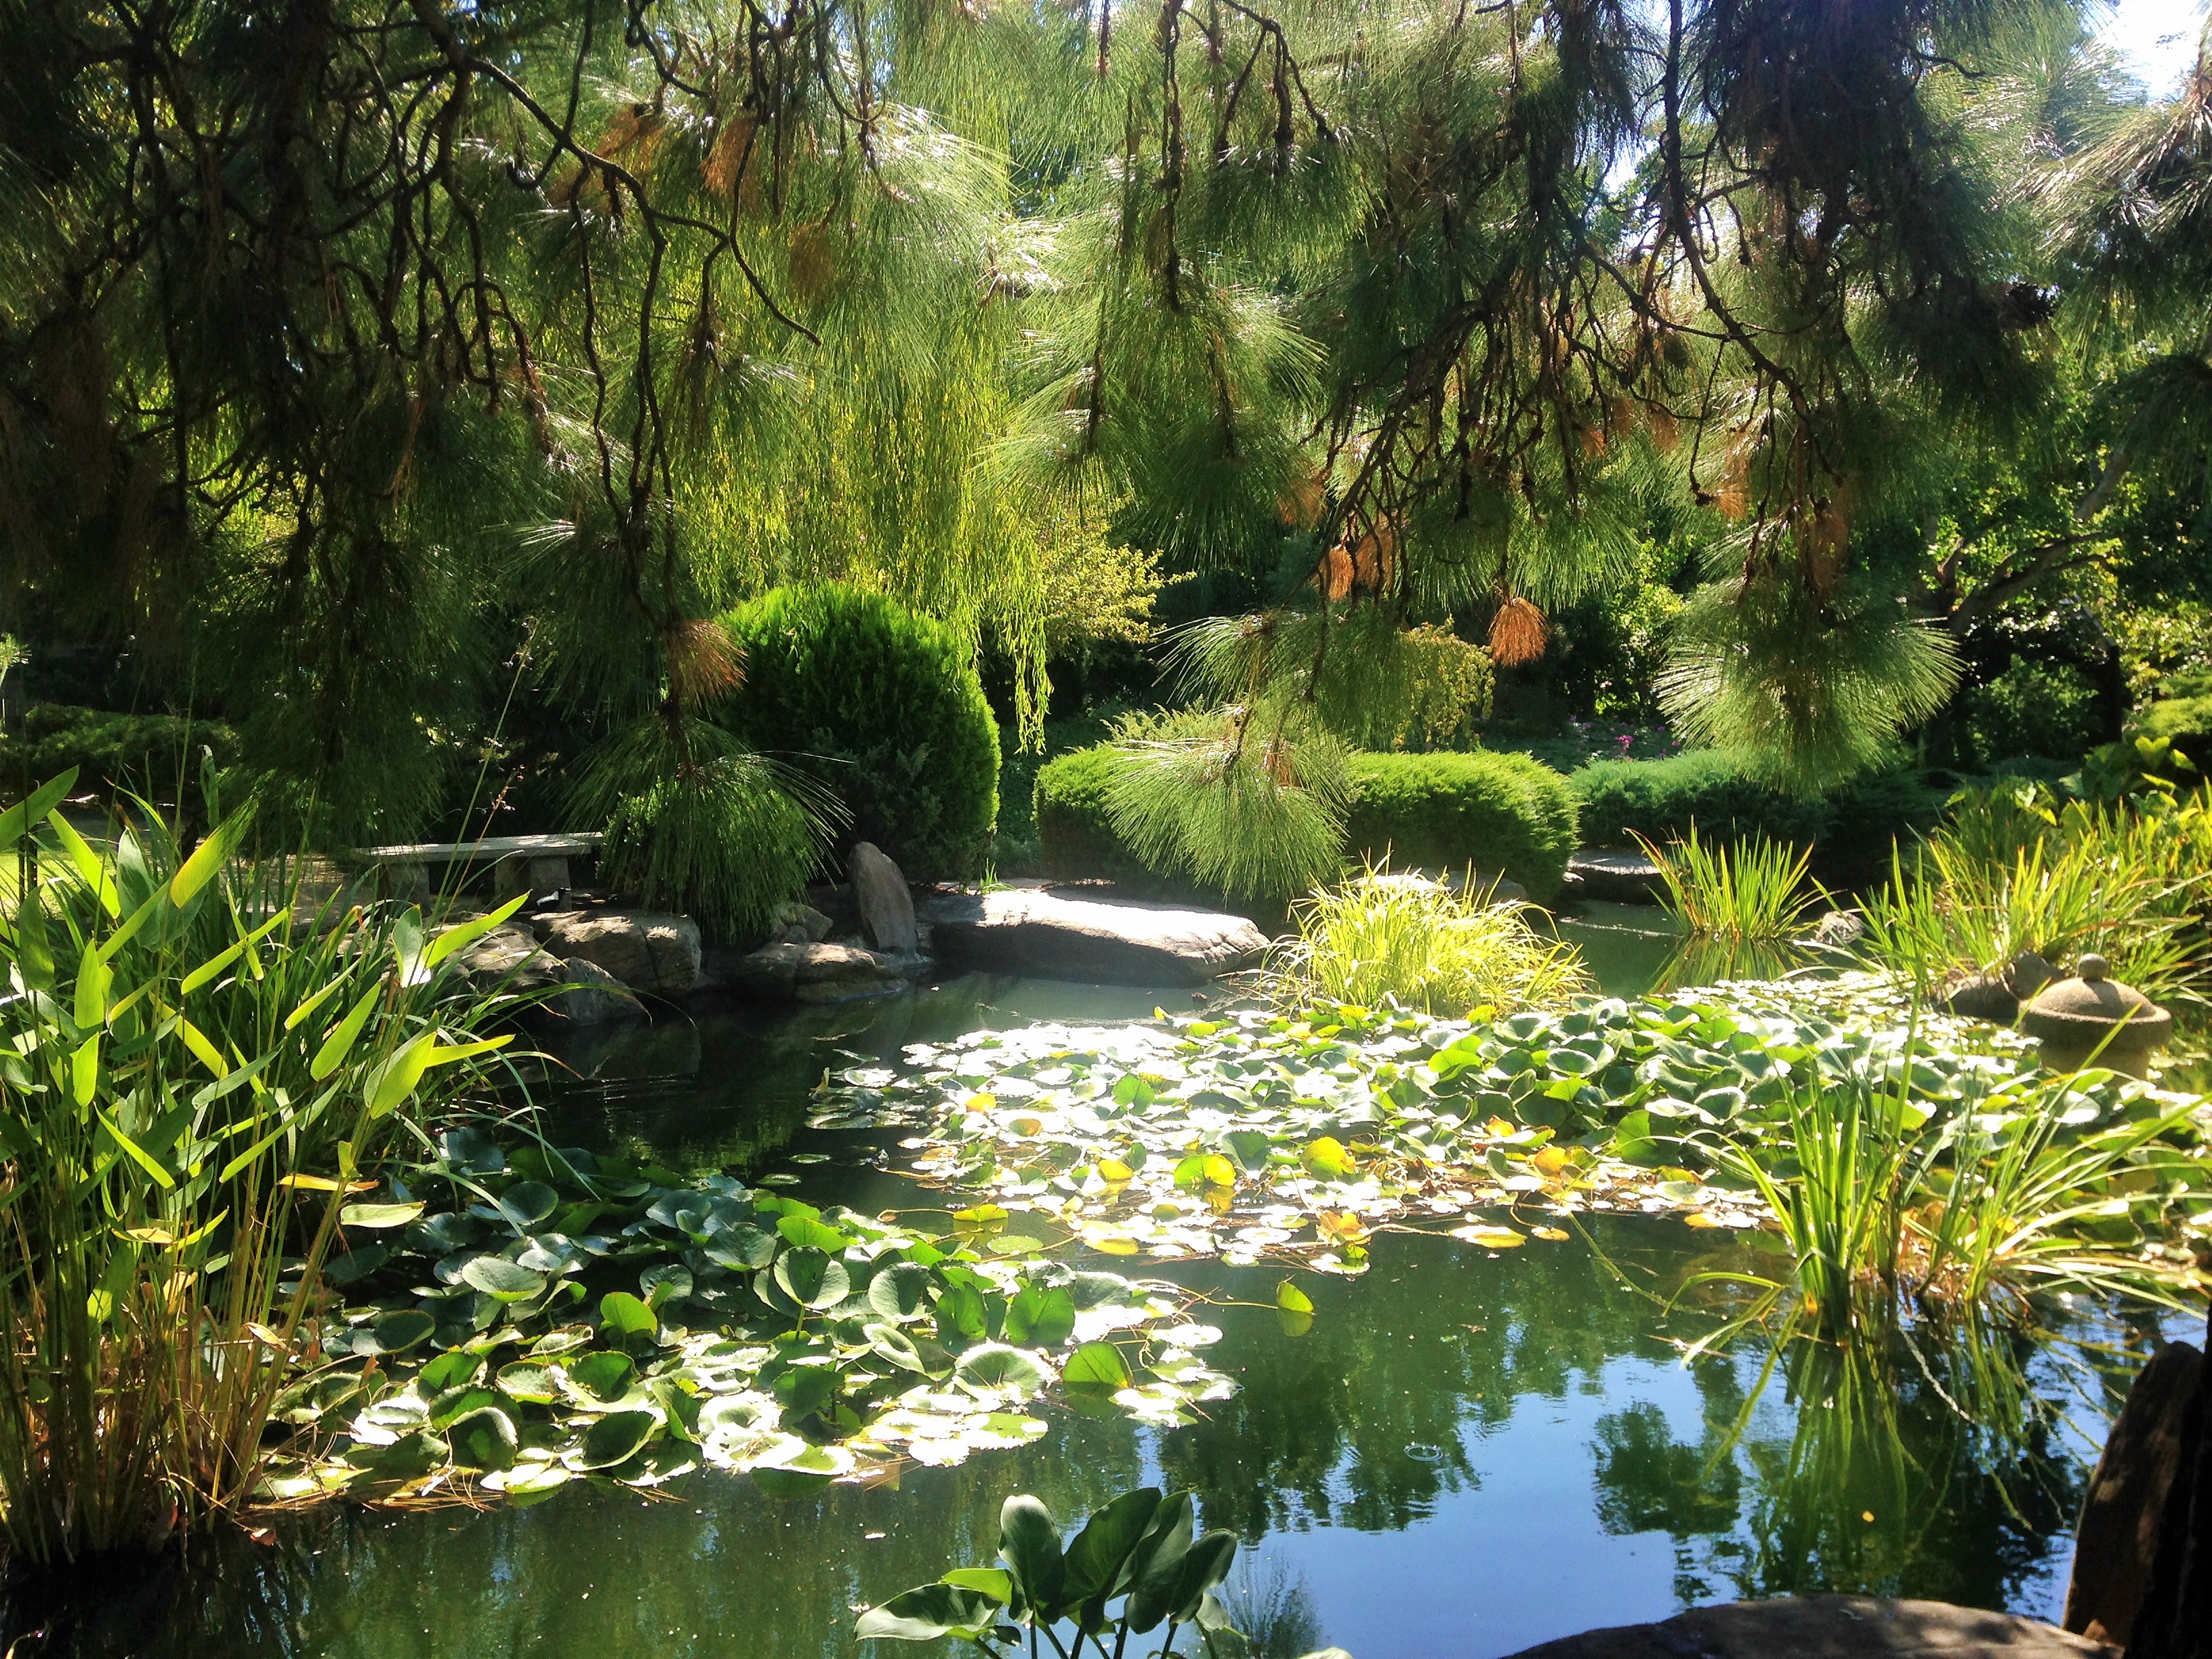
pixel 1022 930
pixel 520 864
pixel 1829 1627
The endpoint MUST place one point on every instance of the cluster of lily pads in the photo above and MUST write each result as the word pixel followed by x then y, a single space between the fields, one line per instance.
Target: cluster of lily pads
pixel 1256 1136
pixel 519 1319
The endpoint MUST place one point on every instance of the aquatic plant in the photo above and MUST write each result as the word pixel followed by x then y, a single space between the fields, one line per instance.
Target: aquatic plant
pixel 1751 892
pixel 2015 870
pixel 193 1073
pixel 1891 1207
pixel 1383 937
pixel 1263 1136
pixel 526 1317
pixel 1140 1551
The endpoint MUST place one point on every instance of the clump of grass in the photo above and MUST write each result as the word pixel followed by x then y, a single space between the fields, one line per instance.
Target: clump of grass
pixel 1382 936
pixel 2013 871
pixel 1886 1210
pixel 1753 893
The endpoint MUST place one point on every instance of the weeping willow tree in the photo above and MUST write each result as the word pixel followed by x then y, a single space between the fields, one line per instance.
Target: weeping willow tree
pixel 362 359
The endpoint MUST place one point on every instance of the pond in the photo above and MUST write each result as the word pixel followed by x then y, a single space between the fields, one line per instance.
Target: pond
pixel 1467 1452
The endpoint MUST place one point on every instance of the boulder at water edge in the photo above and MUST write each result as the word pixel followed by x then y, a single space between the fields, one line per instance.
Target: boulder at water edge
pixel 1829 1627
pixel 1116 941
pixel 879 893
pixel 648 951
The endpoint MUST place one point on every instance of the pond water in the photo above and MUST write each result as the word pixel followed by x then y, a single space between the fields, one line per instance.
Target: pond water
pixel 1469 1451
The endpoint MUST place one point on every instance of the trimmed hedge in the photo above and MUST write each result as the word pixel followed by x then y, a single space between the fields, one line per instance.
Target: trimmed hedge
pixel 885 708
pixel 1500 812
pixel 1851 829
pixel 138 752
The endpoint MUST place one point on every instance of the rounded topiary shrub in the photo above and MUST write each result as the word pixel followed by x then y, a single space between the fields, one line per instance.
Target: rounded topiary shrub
pixel 885 708
pixel 1503 813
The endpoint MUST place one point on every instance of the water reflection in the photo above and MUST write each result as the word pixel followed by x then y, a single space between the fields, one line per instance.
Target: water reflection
pixel 1469 1452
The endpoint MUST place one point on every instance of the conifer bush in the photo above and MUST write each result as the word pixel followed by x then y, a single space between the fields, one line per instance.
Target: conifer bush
pixel 881 706
pixel 1503 813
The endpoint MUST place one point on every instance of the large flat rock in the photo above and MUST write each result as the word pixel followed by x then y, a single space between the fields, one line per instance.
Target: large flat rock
pixel 1829 1627
pixel 1116 941
pixel 1616 877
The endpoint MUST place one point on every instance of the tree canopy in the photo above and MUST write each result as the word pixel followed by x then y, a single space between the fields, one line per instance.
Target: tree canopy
pixel 361 360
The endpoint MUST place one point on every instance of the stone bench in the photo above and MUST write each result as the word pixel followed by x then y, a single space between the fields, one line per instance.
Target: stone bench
pixel 520 864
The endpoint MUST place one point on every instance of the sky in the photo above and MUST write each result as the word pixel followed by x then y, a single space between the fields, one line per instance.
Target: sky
pixel 2158 38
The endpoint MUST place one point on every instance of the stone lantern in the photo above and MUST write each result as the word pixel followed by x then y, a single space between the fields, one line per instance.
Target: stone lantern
pixel 2093 1019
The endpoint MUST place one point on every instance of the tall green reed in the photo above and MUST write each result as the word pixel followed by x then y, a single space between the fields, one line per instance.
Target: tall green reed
pixel 195 1073
pixel 1754 892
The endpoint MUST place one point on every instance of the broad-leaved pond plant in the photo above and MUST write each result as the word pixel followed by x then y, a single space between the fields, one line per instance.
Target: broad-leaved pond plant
pixel 194 1072
pixel 1137 1566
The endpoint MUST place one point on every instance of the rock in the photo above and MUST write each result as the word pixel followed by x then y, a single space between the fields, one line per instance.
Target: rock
pixel 1616 877
pixel 2117 1539
pixel 2029 974
pixel 1838 930
pixel 507 958
pixel 1829 1627
pixel 797 924
pixel 1111 941
pixel 814 972
pixel 834 973
pixel 594 996
pixel 879 893
pixel 1983 996
pixel 648 951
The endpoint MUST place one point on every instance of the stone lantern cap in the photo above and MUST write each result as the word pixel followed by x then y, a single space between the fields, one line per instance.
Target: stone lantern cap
pixel 2084 1008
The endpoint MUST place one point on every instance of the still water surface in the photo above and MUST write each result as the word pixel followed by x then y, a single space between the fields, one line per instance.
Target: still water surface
pixel 1469 1452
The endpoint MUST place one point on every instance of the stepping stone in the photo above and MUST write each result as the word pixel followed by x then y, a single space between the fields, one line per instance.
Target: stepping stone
pixel 1616 877
pixel 1118 942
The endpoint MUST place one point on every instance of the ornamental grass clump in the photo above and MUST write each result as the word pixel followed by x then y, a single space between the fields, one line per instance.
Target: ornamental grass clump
pixel 1755 892
pixel 2014 872
pixel 1385 935
pixel 193 1075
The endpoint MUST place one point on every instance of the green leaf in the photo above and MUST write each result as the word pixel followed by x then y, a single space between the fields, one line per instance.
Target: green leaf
pixel 501 1280
pixel 994 1365
pixel 1101 1550
pixel 614 1438
pixel 811 1279
pixel 392 1080
pixel 1095 1365
pixel 1156 1565
pixel 805 1232
pixel 207 858
pixel 623 1314
pixel 1029 1543
pixel 484 1438
pixel 16 821
pixel 992 1582
pixel 928 1611
pixel 94 870
pixel 450 1370
pixel 900 1290
pixel 1041 1318
pixel 339 1043
pixel 378 1216
pixel 467 932
pixel 398 1332
pixel 605 1375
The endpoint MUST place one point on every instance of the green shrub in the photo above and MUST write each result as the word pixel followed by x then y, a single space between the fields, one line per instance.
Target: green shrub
pixel 1076 839
pixel 881 706
pixel 1851 829
pixel 2185 722
pixel 145 753
pixel 1500 812
pixel 2032 709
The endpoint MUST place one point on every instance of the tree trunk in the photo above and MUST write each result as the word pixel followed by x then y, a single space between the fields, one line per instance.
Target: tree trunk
pixel 2175 1620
